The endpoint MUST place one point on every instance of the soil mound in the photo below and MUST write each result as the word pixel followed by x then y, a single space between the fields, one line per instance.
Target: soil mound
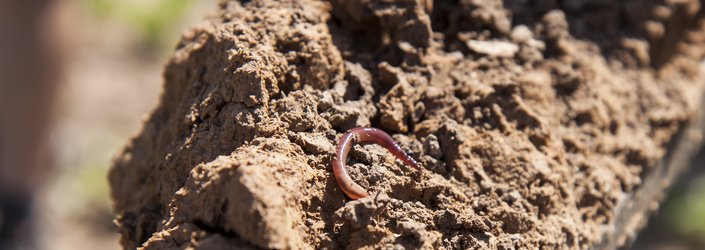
pixel 534 120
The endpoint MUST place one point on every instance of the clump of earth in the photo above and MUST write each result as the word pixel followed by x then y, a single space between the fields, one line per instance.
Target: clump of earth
pixel 533 121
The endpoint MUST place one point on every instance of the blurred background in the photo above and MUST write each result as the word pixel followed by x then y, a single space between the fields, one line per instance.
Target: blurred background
pixel 107 78
pixel 680 221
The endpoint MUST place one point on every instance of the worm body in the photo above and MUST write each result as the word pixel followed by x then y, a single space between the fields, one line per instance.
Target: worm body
pixel 349 187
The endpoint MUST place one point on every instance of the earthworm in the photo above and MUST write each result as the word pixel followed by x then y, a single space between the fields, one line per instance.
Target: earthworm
pixel 374 135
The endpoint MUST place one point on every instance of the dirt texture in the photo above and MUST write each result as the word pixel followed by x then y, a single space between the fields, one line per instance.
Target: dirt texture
pixel 533 119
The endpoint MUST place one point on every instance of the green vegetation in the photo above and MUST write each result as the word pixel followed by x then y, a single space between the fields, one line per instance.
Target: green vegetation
pixel 686 212
pixel 152 20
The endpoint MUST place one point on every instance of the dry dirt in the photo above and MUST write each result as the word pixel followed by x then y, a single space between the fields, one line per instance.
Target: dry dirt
pixel 534 119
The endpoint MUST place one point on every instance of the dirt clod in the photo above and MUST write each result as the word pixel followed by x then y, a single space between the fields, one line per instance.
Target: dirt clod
pixel 533 120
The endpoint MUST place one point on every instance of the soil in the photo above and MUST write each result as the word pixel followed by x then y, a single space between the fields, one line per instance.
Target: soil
pixel 533 119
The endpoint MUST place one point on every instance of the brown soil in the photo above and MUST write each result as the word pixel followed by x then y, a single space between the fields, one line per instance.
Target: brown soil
pixel 534 122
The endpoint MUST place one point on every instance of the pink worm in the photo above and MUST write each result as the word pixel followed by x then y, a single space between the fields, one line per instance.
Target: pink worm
pixel 374 135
